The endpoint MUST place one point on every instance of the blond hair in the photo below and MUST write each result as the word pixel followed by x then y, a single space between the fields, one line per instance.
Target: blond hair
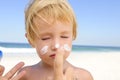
pixel 57 10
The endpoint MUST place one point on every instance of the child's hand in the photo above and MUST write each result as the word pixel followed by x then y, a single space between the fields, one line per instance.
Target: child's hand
pixel 11 73
pixel 58 69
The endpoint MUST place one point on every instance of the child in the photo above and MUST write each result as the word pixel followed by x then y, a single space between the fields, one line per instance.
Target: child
pixel 50 29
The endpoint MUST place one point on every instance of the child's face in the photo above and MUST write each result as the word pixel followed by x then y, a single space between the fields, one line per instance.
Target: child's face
pixel 54 39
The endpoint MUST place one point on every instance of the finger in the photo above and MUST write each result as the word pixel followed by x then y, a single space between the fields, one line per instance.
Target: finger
pixel 69 74
pixel 20 75
pixel 58 66
pixel 14 70
pixel 58 62
pixel 1 70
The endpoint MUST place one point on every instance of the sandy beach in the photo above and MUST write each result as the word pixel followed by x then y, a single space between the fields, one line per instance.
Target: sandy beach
pixel 102 65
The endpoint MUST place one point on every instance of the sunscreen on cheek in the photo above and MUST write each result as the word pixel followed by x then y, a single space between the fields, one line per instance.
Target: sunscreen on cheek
pixel 66 47
pixel 44 50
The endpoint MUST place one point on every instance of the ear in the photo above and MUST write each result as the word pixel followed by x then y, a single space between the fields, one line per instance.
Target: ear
pixel 29 40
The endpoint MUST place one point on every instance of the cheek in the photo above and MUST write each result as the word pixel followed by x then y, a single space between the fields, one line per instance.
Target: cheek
pixel 44 50
pixel 66 47
pixel 41 50
pixel 66 55
pixel 41 47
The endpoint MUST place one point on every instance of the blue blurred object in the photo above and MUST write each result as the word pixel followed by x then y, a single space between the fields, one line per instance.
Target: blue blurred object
pixel 1 54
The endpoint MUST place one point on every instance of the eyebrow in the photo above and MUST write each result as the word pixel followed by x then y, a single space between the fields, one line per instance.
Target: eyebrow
pixel 43 34
pixel 50 34
pixel 65 32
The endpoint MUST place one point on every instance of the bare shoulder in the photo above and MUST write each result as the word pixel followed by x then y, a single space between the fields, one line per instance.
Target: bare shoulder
pixel 27 69
pixel 82 74
pixel 33 72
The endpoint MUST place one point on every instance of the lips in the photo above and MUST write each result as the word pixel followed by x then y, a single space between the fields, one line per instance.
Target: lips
pixel 52 56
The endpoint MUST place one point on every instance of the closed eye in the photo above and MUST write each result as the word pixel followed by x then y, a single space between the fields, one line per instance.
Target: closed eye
pixel 45 38
pixel 64 37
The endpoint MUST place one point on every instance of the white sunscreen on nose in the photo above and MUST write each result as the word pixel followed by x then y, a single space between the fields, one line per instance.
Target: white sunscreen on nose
pixel 44 50
pixel 66 47
pixel 57 45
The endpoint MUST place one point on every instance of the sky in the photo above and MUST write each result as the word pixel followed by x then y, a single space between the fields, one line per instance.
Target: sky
pixel 98 21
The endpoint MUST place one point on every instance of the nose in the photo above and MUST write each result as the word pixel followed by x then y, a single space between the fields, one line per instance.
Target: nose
pixel 55 44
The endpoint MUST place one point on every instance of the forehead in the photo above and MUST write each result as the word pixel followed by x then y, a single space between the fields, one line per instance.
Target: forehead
pixel 41 25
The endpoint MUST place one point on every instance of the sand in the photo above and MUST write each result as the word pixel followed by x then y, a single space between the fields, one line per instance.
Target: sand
pixel 102 65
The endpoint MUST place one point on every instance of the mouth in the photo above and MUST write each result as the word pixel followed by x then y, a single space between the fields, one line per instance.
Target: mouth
pixel 52 55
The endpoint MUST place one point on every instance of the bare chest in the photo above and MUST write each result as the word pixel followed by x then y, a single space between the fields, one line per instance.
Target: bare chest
pixel 40 76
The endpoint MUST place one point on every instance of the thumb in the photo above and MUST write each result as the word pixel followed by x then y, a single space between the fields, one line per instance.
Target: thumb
pixel 1 70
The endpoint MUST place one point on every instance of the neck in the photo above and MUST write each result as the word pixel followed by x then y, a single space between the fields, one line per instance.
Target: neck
pixel 66 64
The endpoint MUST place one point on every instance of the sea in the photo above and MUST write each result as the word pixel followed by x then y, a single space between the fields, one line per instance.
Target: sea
pixel 80 48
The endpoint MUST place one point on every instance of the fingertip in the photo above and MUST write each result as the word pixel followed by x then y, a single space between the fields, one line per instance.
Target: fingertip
pixel 21 63
pixel 2 68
